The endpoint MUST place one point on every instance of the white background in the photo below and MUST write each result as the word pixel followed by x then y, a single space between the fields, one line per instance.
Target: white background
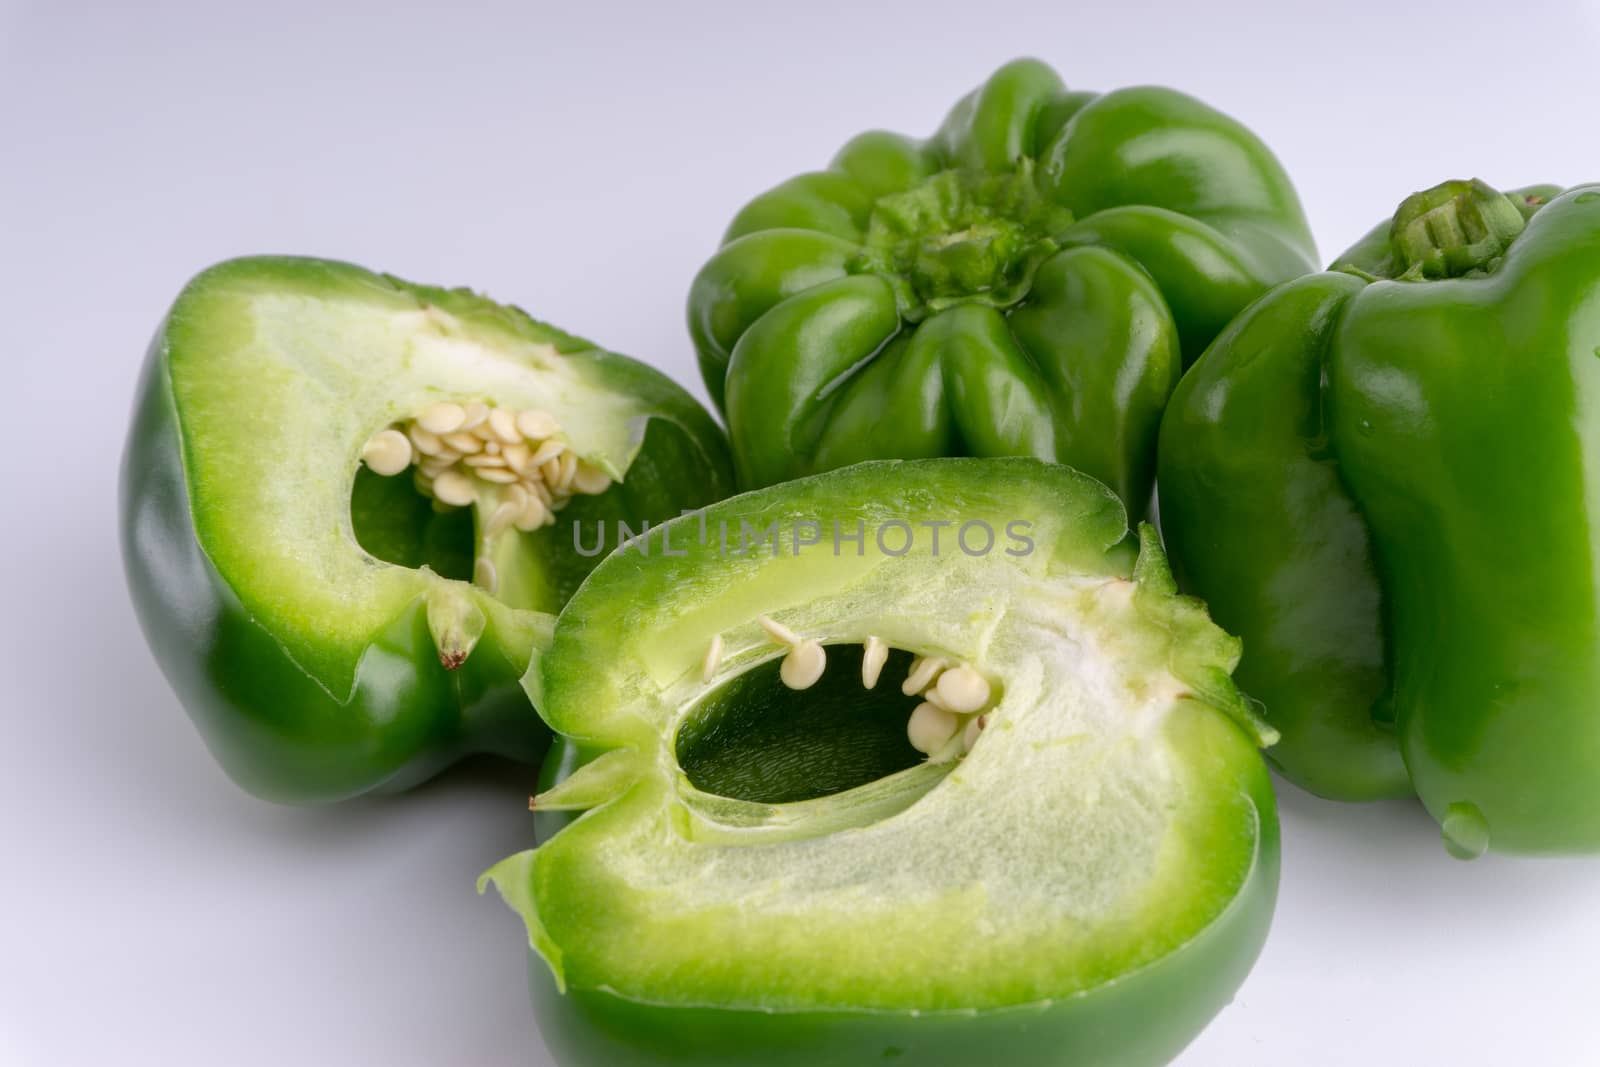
pixel 582 163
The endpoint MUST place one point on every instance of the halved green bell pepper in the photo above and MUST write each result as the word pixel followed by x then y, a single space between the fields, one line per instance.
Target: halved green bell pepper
pixel 328 628
pixel 1387 480
pixel 1028 282
pixel 1049 834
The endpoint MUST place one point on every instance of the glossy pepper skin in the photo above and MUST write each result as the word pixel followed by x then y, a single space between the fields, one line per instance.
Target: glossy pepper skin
pixel 1029 281
pixel 1386 479
pixel 314 619
pixel 1083 879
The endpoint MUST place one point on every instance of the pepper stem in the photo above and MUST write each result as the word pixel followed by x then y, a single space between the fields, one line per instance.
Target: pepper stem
pixel 964 237
pixel 1454 229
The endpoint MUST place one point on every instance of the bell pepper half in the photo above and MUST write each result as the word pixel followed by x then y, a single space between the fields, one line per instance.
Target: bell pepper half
pixel 913 760
pixel 348 507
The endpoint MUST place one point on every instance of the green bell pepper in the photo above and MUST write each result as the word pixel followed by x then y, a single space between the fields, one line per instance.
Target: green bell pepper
pixel 1049 833
pixel 1387 479
pixel 335 627
pixel 1028 282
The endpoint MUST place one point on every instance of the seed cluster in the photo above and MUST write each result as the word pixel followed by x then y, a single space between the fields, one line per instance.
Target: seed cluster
pixel 951 698
pixel 952 695
pixel 467 452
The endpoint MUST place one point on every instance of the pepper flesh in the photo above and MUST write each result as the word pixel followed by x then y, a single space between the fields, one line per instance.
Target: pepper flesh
pixel 1029 281
pixel 1385 479
pixel 315 619
pixel 1087 883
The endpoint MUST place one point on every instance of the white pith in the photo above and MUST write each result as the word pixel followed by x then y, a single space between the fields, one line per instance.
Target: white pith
pixel 1070 703
pixel 274 422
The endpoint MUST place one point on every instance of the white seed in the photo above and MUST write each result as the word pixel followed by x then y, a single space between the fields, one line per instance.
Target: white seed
pixel 442 418
pixel 713 658
pixel 484 573
pixel 557 505
pixel 463 442
pixel 425 442
pixel 474 414
pixel 446 456
pixel 872 661
pixel 492 447
pixel 517 494
pixel 497 475
pixel 591 481
pixel 803 665
pixel 387 453
pixel 568 469
pixel 516 455
pixel 536 424
pixel 550 471
pixel 533 515
pixel 962 689
pixel 923 671
pixel 778 631
pixel 433 466
pixel 969 736
pixel 547 452
pixel 483 459
pixel 504 425
pixel 931 695
pixel 453 487
pixel 422 480
pixel 930 729
pixel 485 432
pixel 537 487
pixel 505 514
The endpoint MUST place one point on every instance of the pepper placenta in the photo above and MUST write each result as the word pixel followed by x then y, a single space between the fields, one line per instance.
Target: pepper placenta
pixel 1386 478
pixel 848 796
pixel 1028 282
pixel 339 514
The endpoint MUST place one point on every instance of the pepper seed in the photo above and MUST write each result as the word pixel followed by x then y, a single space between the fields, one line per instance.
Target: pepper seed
pixel 803 665
pixel 442 418
pixel 453 487
pixel 388 452
pixel 929 729
pixel 872 661
pixel 923 671
pixel 962 689
pixel 713 658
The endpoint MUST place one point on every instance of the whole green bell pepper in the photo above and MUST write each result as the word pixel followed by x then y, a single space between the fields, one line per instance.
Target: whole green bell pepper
pixel 335 627
pixel 1387 480
pixel 1028 282
pixel 1050 833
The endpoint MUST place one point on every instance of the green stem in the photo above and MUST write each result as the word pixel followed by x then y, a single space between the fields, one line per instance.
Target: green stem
pixel 963 236
pixel 1454 229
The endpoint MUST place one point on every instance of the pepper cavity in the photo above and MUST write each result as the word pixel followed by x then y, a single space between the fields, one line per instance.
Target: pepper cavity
pixel 514 468
pixel 954 696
